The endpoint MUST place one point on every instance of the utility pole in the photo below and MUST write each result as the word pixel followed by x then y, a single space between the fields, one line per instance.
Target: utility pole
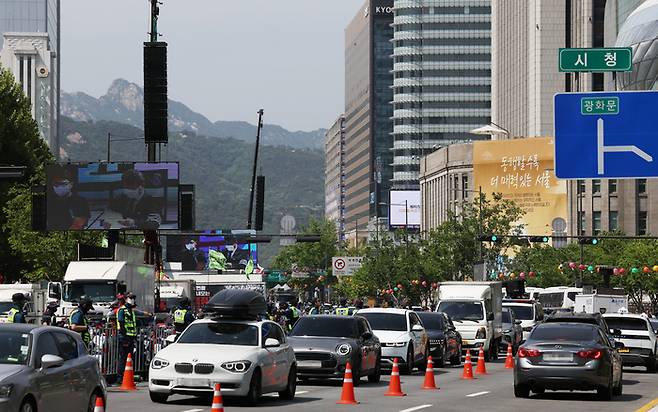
pixel 253 174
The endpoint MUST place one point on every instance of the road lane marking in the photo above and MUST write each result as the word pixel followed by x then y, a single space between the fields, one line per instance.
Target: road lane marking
pixel 272 394
pixel 416 408
pixel 194 410
pixel 649 406
pixel 300 392
pixel 473 395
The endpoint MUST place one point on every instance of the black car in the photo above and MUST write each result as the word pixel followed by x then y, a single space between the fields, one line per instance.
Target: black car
pixel 445 341
pixel 323 345
pixel 588 318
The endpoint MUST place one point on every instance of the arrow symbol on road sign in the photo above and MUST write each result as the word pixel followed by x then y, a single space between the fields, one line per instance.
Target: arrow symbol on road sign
pixel 602 148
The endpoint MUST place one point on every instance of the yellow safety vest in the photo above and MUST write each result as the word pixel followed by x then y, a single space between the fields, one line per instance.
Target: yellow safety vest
pixel 12 315
pixel 86 337
pixel 129 321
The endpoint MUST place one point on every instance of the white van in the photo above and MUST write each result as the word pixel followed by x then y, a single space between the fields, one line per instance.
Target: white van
pixel 527 311
pixel 559 297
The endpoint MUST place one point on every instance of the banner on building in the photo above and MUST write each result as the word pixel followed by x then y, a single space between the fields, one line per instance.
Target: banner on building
pixel 522 171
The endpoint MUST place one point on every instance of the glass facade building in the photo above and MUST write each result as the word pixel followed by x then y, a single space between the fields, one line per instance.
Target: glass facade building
pixel 640 32
pixel 38 16
pixel 442 78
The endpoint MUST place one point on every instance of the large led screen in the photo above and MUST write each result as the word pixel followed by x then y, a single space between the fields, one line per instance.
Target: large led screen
pixel 192 251
pixel 102 196
pixel 404 209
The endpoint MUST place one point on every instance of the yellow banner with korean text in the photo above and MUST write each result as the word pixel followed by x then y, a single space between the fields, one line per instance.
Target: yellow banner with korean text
pixel 522 171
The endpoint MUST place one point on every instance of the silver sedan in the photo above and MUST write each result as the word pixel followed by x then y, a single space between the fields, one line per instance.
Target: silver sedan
pixel 46 368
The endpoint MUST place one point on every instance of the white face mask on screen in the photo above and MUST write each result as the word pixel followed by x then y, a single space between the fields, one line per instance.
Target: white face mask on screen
pixel 134 194
pixel 63 190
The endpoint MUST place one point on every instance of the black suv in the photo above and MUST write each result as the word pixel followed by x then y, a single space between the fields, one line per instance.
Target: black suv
pixel 590 318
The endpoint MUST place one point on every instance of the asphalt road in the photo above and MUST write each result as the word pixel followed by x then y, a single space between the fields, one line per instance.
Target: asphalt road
pixel 493 392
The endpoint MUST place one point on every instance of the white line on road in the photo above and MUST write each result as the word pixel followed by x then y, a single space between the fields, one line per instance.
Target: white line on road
pixel 416 408
pixel 473 395
pixel 194 410
pixel 300 392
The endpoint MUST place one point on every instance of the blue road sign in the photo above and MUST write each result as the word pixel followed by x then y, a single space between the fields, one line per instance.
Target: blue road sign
pixel 606 135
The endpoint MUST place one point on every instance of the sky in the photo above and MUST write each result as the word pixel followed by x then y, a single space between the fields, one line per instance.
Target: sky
pixel 227 58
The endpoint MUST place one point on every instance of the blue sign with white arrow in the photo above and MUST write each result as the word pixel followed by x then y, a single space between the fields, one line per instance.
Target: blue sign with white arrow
pixel 603 135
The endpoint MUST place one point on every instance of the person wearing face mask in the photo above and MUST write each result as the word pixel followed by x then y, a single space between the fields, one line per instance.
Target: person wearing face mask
pixel 139 210
pixel 66 209
pixel 192 258
pixel 17 312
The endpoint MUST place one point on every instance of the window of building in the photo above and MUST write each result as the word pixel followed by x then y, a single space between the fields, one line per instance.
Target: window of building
pixel 613 220
pixel 464 186
pixel 641 223
pixel 596 223
pixel 612 186
pixel 641 186
pixel 455 187
pixel 581 219
pixel 581 186
pixel 596 187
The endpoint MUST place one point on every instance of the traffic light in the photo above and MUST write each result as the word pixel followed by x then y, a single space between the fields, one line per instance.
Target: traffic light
pixel 588 241
pixel 538 239
pixel 489 238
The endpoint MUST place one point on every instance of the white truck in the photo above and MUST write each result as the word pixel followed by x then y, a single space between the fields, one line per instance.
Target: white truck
pixel 39 295
pixel 595 303
pixel 102 281
pixel 209 284
pixel 172 291
pixel 476 311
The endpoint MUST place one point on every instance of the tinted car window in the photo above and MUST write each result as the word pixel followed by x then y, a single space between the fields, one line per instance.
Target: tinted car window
pixel 67 346
pixel 626 323
pixel 221 334
pixel 14 347
pixel 432 321
pixel 413 320
pixel 564 332
pixel 507 317
pixel 272 331
pixel 343 327
pixel 386 321
pixel 45 346
pixel 522 312
pixel 458 310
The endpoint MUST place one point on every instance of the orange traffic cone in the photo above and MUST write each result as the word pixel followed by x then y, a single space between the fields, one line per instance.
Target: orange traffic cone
pixel 100 405
pixel 429 375
pixel 128 383
pixel 481 368
pixel 394 386
pixel 468 366
pixel 217 403
pixel 347 396
pixel 509 360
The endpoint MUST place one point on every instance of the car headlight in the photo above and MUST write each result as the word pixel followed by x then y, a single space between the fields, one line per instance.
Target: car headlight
pixel 481 334
pixel 159 363
pixel 5 390
pixel 344 349
pixel 237 367
pixel 400 344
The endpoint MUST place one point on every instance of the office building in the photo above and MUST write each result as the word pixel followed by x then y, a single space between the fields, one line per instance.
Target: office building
pixel 368 112
pixel 30 49
pixel 334 175
pixel 442 85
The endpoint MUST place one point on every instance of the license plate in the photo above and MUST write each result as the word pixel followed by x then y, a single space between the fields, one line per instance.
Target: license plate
pixel 558 357
pixel 309 364
pixel 464 342
pixel 193 382
pixel 623 350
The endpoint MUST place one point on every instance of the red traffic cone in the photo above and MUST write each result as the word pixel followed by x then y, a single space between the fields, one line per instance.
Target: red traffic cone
pixel 509 360
pixel 468 366
pixel 128 383
pixel 395 386
pixel 217 403
pixel 347 396
pixel 100 405
pixel 481 369
pixel 429 375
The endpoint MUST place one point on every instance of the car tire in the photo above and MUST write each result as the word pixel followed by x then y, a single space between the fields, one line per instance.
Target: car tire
pixel 423 362
pixel 255 388
pixel 617 391
pixel 605 393
pixel 376 376
pixel 442 362
pixel 651 365
pixel 521 391
pixel 456 359
pixel 407 367
pixel 158 397
pixel 356 374
pixel 289 393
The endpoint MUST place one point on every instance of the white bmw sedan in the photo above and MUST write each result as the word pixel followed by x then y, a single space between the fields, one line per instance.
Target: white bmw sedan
pixel 248 358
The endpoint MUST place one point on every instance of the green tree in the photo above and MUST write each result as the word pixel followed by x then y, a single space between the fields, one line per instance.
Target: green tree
pixel 311 257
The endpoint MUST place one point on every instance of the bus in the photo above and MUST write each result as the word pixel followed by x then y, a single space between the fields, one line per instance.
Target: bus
pixel 559 297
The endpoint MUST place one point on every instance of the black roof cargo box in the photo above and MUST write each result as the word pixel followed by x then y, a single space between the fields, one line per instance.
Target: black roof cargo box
pixel 236 303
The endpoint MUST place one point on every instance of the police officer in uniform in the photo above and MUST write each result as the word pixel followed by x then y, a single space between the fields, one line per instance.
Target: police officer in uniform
pixel 343 310
pixel 78 319
pixel 183 315
pixel 127 333
pixel 16 313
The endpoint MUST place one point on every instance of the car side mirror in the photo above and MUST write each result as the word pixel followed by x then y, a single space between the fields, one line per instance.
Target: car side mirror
pixel 51 361
pixel 517 322
pixel 490 316
pixel 366 335
pixel 619 345
pixel 272 343
pixel 417 328
pixel 171 339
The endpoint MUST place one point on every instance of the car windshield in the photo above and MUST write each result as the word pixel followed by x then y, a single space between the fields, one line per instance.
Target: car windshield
pixel 342 327
pixel 5 306
pixel 386 321
pixel 654 325
pixel 562 332
pixel 522 312
pixel 99 292
pixel 626 323
pixel 462 310
pixel 14 347
pixel 507 317
pixel 221 334
pixel 431 321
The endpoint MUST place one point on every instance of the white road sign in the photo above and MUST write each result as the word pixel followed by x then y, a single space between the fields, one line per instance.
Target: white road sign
pixel 345 265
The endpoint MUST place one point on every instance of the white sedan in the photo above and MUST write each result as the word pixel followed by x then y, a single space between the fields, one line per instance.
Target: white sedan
pixel 248 358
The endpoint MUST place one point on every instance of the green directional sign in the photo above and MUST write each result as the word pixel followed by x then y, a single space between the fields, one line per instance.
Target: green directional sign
pixel 598 60
pixel 599 105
